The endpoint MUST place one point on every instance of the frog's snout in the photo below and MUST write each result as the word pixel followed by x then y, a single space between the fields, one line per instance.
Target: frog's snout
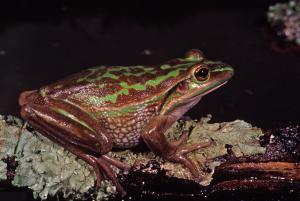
pixel 225 74
pixel 27 97
pixel 229 73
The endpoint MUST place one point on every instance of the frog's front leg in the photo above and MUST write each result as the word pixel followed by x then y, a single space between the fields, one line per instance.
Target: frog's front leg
pixel 76 131
pixel 175 151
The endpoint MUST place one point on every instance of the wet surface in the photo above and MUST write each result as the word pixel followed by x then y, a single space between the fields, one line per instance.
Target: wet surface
pixel 41 43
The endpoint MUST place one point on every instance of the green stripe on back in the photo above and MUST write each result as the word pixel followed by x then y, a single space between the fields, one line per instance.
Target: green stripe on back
pixel 71 116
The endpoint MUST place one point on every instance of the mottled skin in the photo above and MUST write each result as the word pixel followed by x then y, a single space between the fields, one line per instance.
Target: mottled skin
pixel 115 106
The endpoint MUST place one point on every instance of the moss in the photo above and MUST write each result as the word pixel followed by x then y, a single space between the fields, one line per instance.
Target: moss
pixel 48 169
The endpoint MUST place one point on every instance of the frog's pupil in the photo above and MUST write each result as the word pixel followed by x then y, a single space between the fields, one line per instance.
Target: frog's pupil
pixel 201 74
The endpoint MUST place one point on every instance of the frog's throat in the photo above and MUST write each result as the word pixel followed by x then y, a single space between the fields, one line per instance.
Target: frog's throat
pixel 181 109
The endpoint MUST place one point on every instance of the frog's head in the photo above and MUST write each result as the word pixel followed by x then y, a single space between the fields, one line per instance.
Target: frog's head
pixel 203 77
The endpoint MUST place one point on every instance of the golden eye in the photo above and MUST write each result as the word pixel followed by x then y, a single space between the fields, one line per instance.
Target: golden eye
pixel 201 74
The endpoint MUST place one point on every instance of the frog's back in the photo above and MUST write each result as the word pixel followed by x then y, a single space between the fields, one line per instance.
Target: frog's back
pixel 116 86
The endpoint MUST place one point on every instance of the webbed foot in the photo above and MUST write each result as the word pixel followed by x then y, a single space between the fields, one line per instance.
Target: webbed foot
pixel 180 154
pixel 175 151
pixel 102 168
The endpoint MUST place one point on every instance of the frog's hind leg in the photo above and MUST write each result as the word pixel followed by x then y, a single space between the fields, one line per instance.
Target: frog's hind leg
pixel 86 157
pixel 84 137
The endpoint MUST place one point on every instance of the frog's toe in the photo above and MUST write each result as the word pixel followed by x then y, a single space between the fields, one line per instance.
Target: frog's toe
pixel 180 157
pixel 121 165
pixel 109 173
pixel 181 140
pixel 102 169
pixel 92 160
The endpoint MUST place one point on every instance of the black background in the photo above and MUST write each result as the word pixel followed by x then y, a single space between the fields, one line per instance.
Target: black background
pixel 43 41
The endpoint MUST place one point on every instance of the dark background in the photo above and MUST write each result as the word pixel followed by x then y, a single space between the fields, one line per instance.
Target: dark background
pixel 43 41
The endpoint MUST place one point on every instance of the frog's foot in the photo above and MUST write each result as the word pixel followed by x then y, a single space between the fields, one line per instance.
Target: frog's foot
pixel 181 140
pixel 92 161
pixel 175 151
pixel 180 155
pixel 102 169
pixel 104 165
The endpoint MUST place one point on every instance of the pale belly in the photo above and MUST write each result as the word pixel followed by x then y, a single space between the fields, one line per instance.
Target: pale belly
pixel 126 130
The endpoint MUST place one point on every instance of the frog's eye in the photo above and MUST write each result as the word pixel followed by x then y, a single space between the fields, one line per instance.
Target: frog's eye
pixel 201 74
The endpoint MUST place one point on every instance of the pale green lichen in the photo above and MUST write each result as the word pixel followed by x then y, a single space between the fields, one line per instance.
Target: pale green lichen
pixel 3 170
pixel 239 135
pixel 45 167
pixel 9 135
pixel 285 18
pixel 48 169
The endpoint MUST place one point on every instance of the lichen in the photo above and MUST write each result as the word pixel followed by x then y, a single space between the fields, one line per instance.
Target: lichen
pixel 10 131
pixel 48 169
pixel 3 170
pixel 285 18
pixel 240 137
pixel 45 167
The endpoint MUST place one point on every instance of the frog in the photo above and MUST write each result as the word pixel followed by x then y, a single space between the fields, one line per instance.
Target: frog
pixel 91 112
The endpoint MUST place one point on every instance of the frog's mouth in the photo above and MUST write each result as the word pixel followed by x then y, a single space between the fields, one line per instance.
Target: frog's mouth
pixel 190 96
pixel 198 97
pixel 212 89
pixel 186 102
